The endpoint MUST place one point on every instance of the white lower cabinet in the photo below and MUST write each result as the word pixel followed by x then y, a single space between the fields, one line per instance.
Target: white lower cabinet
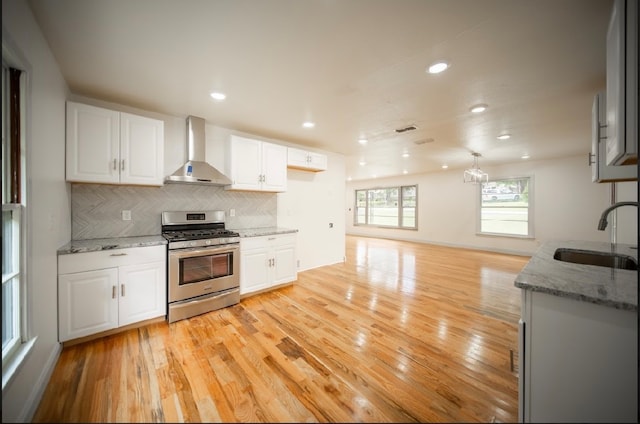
pixel 103 290
pixel 578 361
pixel 267 261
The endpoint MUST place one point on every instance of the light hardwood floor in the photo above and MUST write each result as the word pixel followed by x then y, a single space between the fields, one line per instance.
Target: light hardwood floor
pixel 400 332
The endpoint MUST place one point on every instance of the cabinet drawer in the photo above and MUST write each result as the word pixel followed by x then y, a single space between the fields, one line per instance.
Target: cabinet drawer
pixel 267 241
pixel 284 239
pixel 87 261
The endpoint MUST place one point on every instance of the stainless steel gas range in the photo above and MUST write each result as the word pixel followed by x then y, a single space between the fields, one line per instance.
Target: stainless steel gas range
pixel 203 262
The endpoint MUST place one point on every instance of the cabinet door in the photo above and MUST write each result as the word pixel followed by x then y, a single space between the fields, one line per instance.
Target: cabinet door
pixel 296 158
pixel 600 171
pixel 317 161
pixel 87 303
pixel 255 270
pixel 245 162
pixel 304 160
pixel 622 89
pixel 581 361
pixel 141 150
pixel 142 292
pixel 284 264
pixel 274 167
pixel 92 138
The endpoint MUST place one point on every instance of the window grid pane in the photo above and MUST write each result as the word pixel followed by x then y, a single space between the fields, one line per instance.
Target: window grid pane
pixel 505 207
pixel 10 278
pixel 393 207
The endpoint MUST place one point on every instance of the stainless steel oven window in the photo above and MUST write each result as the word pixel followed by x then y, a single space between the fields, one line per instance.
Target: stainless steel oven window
pixel 202 268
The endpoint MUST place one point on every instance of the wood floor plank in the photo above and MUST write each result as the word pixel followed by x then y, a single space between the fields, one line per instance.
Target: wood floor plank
pixel 400 332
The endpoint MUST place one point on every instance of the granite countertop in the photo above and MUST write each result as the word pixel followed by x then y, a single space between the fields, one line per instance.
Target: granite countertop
pixel 617 288
pixel 264 231
pixel 92 245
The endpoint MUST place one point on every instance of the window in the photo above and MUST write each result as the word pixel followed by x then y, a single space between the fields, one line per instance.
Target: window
pixel 505 207
pixel 393 207
pixel 13 213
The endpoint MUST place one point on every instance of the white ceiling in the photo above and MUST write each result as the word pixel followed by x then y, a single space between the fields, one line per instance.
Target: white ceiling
pixel 354 67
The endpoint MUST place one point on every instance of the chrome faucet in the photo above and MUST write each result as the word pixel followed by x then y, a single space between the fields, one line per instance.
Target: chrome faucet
pixel 603 218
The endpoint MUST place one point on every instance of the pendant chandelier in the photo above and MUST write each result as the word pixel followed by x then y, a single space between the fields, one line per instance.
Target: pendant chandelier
pixel 474 174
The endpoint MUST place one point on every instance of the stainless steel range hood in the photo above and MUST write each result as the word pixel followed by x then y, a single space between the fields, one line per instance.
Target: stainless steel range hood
pixel 196 170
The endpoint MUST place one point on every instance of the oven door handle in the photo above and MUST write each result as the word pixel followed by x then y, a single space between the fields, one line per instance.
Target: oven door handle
pixel 198 251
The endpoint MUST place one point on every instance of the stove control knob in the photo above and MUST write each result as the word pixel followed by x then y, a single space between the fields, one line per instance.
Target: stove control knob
pixel 208 242
pixel 192 243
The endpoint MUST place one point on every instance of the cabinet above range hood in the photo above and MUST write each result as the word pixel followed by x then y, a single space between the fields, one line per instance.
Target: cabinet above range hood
pixel 196 170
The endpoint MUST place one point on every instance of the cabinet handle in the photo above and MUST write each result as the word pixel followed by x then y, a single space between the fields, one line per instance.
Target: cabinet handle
pixel 113 292
pixel 118 254
pixel 122 290
pixel 601 134
pixel 115 164
pixel 591 155
pixel 122 165
pixel 512 365
pixel 271 238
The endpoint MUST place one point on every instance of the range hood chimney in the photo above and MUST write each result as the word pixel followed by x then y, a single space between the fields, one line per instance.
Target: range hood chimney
pixel 196 170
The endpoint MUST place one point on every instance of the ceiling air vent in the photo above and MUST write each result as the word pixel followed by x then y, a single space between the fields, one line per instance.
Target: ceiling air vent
pixel 405 129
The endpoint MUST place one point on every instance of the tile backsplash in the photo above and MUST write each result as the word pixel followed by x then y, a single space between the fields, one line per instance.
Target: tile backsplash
pixel 96 209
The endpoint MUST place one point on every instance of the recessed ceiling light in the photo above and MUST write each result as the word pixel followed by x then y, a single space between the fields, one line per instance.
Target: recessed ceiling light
pixel 218 96
pixel 504 136
pixel 362 163
pixel 437 67
pixel 478 108
pixel 445 166
pixel 525 156
pixel 405 172
pixel 362 141
pixel 308 124
pixel 405 155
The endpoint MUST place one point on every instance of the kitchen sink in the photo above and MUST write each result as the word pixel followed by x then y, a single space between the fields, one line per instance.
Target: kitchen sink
pixel 592 257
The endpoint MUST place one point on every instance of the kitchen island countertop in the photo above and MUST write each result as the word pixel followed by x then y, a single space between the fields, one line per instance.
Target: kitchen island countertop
pixel 92 245
pixel 263 231
pixel 617 288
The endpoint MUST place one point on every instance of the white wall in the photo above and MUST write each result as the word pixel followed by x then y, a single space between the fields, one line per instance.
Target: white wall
pixel 624 220
pixel 313 201
pixel 48 202
pixel 567 205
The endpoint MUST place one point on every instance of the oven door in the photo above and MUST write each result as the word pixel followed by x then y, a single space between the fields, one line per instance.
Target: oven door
pixel 200 271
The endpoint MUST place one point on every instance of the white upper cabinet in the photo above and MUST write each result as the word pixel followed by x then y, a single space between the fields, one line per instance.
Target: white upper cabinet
pixel 304 160
pixel 111 147
pixel 622 84
pixel 600 171
pixel 256 165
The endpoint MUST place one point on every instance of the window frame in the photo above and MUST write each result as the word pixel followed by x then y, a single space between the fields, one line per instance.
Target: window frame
pixel 400 211
pixel 530 208
pixel 14 356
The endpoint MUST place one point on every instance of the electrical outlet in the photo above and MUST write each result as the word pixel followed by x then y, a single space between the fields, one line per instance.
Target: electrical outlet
pixel 126 215
pixel 232 212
